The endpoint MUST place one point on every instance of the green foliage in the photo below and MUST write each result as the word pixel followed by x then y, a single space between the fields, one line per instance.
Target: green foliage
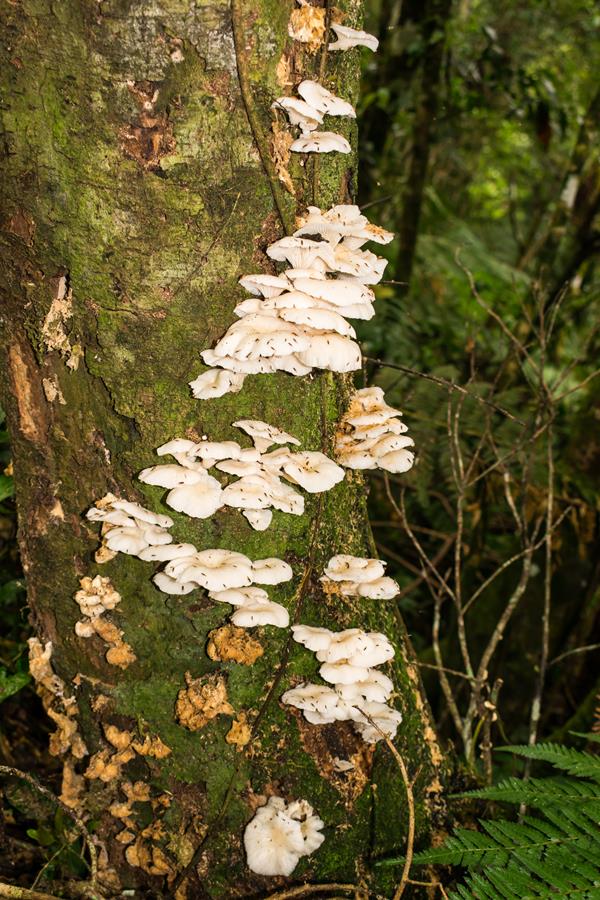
pixel 62 847
pixel 553 851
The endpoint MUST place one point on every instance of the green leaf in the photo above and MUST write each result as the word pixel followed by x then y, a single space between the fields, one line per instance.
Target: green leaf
pixel 11 683
pixel 7 486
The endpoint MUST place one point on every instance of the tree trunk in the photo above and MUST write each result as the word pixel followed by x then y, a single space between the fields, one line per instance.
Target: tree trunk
pixel 136 196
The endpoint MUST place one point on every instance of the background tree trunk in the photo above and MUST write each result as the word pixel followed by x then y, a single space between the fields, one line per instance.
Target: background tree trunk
pixel 135 199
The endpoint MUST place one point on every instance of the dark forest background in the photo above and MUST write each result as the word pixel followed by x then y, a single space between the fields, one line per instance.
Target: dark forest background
pixel 480 148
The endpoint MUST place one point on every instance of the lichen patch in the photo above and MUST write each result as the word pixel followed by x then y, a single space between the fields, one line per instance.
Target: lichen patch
pixel 232 644
pixel 202 700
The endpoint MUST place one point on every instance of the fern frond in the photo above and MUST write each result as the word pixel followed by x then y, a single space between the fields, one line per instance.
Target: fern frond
pixel 553 852
pixel 576 762
pixel 540 792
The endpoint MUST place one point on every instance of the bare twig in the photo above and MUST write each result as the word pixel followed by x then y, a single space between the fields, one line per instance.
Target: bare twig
pixel 443 382
pixel 303 890
pixel 260 140
pixel 10 772
pixel 20 893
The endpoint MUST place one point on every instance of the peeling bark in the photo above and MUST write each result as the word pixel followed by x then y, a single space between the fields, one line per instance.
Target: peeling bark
pixel 135 197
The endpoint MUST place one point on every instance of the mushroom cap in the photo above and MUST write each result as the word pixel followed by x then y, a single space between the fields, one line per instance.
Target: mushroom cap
pixel 249 492
pixel 350 37
pixel 141 514
pixel 379 589
pixel 344 567
pixel 214 450
pixel 264 435
pixel 320 319
pixel 397 462
pixel 356 459
pixel 170 476
pixel 256 336
pixel 313 637
pixel 111 516
pixel 293 274
pixel 240 467
pixel 385 717
pixel 216 383
pixel 177 445
pixel 169 585
pixel 336 290
pixel 264 612
pixel 291 364
pixel 167 552
pixel 238 366
pixel 299 112
pixel 215 570
pixel 362 264
pixel 315 697
pixel 375 687
pixel 198 500
pixel 343 673
pixel 319 98
pixel 321 142
pixel 271 571
pixel 243 596
pixel 313 471
pixel 264 285
pixel 286 499
pixel 259 519
pixel 374 651
pixel 301 253
pixel 273 840
pixel 333 352
pixel 126 540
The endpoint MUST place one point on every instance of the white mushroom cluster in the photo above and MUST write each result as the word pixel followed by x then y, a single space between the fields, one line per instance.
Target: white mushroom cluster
pixel 308 111
pixel 280 834
pixel 372 436
pixel 359 691
pixel 258 488
pixel 297 321
pixel 128 527
pixel 229 577
pixel 356 576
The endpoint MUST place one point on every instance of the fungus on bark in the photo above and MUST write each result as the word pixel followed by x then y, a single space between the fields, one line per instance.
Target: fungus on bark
pixel 280 834
pixel 347 38
pixel 371 435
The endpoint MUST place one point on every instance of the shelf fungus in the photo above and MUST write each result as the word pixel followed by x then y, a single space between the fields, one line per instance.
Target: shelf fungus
pixel 128 527
pixel 372 436
pixel 295 321
pixel 280 834
pixel 307 112
pixel 359 691
pixel 257 491
pixel 356 576
pixel 347 38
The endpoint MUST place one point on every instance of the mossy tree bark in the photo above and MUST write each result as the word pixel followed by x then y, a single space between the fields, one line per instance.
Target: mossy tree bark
pixel 135 199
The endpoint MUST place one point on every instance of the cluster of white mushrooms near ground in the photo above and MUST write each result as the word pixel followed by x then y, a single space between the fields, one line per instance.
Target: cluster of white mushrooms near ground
pixel 294 322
